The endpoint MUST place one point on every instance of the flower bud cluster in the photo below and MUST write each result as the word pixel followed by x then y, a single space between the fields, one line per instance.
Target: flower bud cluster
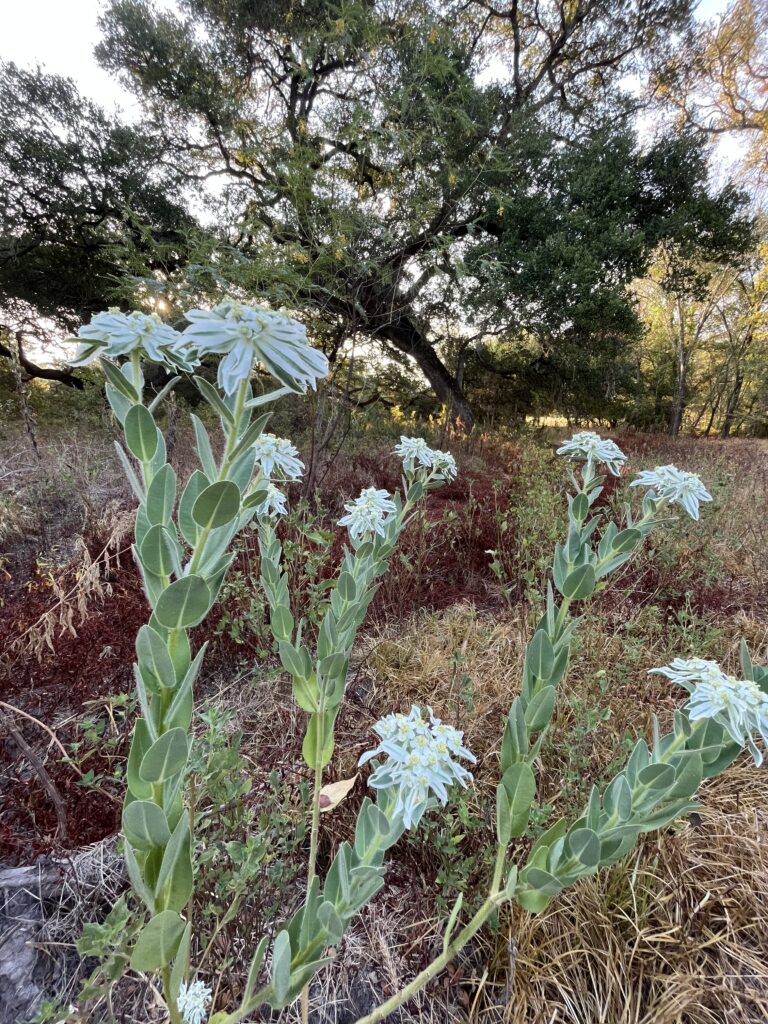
pixel 276 455
pixel 675 486
pixel 422 762
pixel 113 334
pixel 416 453
pixel 370 513
pixel 586 446
pixel 245 335
pixel 739 705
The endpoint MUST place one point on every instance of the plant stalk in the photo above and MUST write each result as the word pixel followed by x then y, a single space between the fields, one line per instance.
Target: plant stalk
pixel 490 904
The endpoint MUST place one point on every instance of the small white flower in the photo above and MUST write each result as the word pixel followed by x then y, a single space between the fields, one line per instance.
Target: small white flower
pixel 369 513
pixel 420 761
pixel 250 333
pixel 274 504
pixel 413 450
pixel 114 334
pixel 739 705
pixel 278 453
pixel 193 1002
pixel 586 446
pixel 444 466
pixel 675 486
pixel 416 453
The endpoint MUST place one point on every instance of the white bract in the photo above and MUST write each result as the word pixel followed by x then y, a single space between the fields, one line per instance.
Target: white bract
pixel 443 466
pixel 278 453
pixel 274 504
pixel 193 1002
pixel 413 450
pixel 369 513
pixel 675 486
pixel 739 705
pixel 587 446
pixel 421 762
pixel 112 334
pixel 415 453
pixel 247 334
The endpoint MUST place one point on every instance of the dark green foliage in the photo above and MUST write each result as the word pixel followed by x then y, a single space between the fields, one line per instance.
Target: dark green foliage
pixel 460 185
pixel 373 176
pixel 84 199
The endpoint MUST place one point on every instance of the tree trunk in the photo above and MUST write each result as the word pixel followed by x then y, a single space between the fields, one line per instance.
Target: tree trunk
pixel 733 404
pixel 42 372
pixel 406 337
pixel 678 408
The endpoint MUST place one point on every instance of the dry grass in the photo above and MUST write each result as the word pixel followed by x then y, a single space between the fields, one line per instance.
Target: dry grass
pixel 71 590
pixel 677 934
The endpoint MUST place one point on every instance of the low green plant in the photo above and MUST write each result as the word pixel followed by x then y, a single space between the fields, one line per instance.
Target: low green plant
pixel 184 549
pixel 102 736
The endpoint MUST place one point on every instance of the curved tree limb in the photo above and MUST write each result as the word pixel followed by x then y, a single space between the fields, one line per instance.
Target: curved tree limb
pixel 42 372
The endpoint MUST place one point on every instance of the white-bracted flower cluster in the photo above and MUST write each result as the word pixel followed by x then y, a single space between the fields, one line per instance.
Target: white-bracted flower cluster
pixel 587 446
pixel 675 486
pixel 422 761
pixel 193 1002
pixel 416 453
pixel 274 504
pixel 249 334
pixel 370 513
pixel 739 705
pixel 112 334
pixel 277 453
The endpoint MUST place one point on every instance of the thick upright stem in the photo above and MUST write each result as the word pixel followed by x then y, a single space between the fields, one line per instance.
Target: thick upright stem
pixel 313 843
pixel 173 1011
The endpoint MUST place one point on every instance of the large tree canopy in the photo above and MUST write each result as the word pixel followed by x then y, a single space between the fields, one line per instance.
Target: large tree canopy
pixel 83 198
pixel 429 175
pixel 412 168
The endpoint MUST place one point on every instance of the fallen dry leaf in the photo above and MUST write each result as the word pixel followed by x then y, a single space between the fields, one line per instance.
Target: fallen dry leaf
pixel 332 794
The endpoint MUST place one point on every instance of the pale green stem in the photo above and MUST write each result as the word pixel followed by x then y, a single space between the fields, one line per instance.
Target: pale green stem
pixel 173 1010
pixel 136 368
pixel 232 436
pixel 313 841
pixel 490 904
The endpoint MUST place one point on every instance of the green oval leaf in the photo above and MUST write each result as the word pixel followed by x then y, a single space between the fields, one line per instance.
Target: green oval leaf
pixel 153 656
pixel 347 587
pixel 145 825
pixel 157 944
pixel 140 433
pixel 584 844
pixel 118 380
pixel 161 496
pixel 195 486
pixel 158 552
pixel 184 603
pixel 540 656
pixel 520 785
pixel 540 708
pixel 165 758
pixel 580 583
pixel 217 505
pixel 626 540
pixel 580 507
pixel 281 965
pixel 657 776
